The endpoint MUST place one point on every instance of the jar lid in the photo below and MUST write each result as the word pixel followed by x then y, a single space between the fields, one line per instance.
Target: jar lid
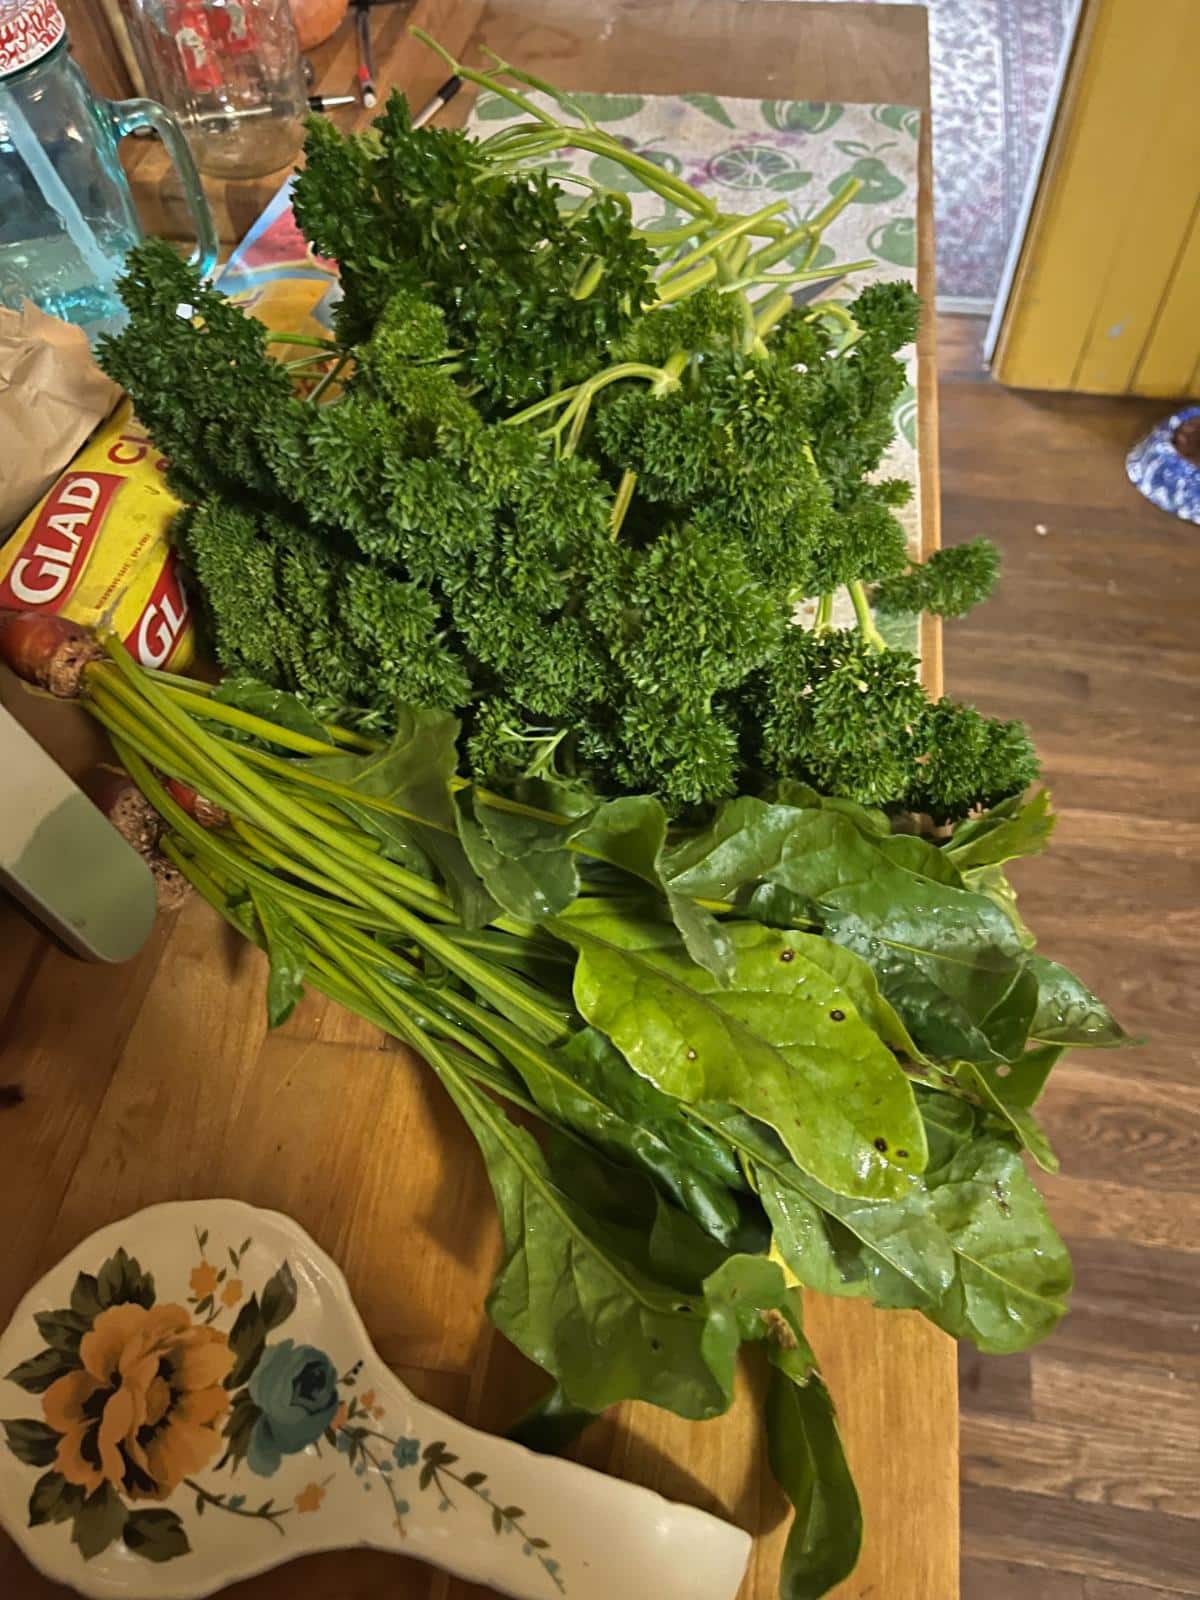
pixel 29 29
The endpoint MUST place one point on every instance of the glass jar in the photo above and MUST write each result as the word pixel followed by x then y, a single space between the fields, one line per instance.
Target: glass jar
pixel 230 72
pixel 67 218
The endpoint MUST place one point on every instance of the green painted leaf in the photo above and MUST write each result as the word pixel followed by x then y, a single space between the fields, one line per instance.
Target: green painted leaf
pixel 37 1374
pixel 121 1281
pixel 239 1425
pixel 53 1499
pixel 278 1298
pixel 800 116
pixel 85 1297
pixel 711 106
pixel 286 953
pixel 247 1338
pixel 155 1535
pixel 784 1042
pixel 33 1442
pixel 1014 828
pixel 878 182
pixel 904 119
pixel 809 1463
pixel 62 1330
pixel 1069 1014
pixel 609 107
pixel 98 1521
pixel 895 241
pixel 413 771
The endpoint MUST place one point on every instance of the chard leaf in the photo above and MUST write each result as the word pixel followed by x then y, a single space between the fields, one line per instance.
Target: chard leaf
pixel 1016 827
pixel 945 957
pixel 285 951
pixel 1068 1013
pixel 413 771
pixel 785 1042
pixel 809 1463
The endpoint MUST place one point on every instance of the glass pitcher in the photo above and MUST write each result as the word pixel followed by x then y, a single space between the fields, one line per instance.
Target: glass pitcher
pixel 67 218
pixel 230 71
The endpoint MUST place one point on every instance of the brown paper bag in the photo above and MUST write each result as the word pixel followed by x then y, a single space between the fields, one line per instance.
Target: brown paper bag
pixel 52 395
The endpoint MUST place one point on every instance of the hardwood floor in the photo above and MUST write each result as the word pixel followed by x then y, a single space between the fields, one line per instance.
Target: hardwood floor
pixel 1081 1459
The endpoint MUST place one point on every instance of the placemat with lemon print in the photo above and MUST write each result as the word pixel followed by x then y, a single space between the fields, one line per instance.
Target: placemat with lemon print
pixel 747 152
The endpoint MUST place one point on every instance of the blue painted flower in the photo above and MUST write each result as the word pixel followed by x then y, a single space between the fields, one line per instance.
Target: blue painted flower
pixel 407 1452
pixel 295 1389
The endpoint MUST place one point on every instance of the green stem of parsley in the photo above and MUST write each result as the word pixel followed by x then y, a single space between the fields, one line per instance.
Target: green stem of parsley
pixel 862 612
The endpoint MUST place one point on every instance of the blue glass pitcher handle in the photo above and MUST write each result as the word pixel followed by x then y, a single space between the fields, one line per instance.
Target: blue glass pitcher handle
pixel 130 114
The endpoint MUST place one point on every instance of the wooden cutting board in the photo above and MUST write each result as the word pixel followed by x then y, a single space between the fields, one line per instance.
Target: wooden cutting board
pixel 159 1081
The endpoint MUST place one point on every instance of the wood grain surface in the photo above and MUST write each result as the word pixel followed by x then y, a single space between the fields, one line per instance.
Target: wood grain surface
pixel 1081 1458
pixel 159 1081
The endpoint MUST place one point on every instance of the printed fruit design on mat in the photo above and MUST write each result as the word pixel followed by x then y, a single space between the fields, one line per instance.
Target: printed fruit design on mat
pixel 878 181
pixel 757 166
pixel 800 116
pixel 895 241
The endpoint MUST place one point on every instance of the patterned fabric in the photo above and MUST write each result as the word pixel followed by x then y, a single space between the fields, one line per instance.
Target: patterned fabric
pixel 993 65
pixel 746 153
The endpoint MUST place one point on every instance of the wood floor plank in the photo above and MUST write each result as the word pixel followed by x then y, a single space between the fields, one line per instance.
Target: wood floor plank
pixel 1091 1493
pixel 1092 1541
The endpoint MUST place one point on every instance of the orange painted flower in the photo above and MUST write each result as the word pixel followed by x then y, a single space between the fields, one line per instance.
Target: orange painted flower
pixel 203 1279
pixel 367 1400
pixel 339 1417
pixel 145 1410
pixel 310 1497
pixel 232 1292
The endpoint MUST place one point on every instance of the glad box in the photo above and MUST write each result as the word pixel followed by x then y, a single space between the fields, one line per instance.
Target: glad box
pixel 96 548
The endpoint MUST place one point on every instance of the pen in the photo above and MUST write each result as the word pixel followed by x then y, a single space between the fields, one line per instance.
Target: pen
pixel 444 95
pixel 366 65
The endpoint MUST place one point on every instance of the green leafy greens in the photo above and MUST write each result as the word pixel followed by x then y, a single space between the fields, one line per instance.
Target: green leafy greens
pixel 521 757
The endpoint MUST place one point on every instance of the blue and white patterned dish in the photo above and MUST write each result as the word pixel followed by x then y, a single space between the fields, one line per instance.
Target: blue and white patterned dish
pixel 1162 474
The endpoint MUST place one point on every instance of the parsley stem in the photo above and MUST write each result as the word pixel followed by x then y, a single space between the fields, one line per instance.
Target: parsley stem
pixel 824 618
pixel 730 230
pixel 862 611
pixel 621 502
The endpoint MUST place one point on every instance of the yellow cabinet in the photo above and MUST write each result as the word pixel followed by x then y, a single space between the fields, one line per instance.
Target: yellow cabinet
pixel 1105 295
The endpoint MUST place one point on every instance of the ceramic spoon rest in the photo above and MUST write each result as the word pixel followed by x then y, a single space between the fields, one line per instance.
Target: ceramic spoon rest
pixel 191 1397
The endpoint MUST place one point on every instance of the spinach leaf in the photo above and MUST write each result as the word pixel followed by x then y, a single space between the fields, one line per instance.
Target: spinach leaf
pixel 809 1463
pixel 945 956
pixel 1068 1013
pixel 969 1245
pixel 785 1042
pixel 1015 827
pixel 632 833
pixel 286 953
pixel 273 705
pixel 413 771
pixel 523 861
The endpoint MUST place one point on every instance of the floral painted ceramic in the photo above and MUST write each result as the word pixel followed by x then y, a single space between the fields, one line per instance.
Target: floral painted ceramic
pixel 191 1397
